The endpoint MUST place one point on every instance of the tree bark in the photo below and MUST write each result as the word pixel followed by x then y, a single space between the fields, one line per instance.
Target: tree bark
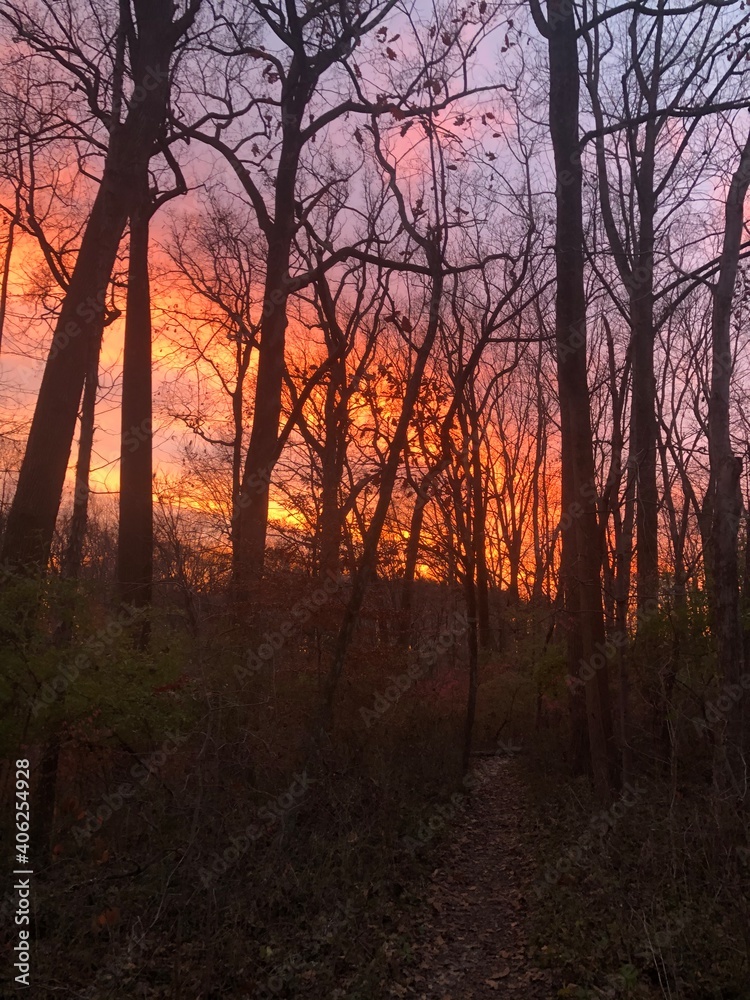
pixel 332 460
pixel 135 539
pixel 262 451
pixel 31 520
pixel 581 569
pixel 5 283
pixel 73 557
pixel 412 545
pixel 725 469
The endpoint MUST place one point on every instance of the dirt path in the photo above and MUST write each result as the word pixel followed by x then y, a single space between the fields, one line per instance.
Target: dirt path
pixel 472 939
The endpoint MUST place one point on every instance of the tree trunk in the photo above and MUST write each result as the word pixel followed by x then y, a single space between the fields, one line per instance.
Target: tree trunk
pixel 73 557
pixel 262 451
pixel 643 448
pixel 410 564
pixel 332 470
pixel 580 535
pixel 412 546
pixel 479 535
pixel 31 520
pixel 473 649
pixel 364 571
pixel 135 539
pixel 244 351
pixel 725 470
pixel 262 448
pixel 5 286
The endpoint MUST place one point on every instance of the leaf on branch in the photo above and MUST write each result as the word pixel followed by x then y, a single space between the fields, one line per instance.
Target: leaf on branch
pixel 358 136
pixel 446 38
pixel 405 128
pixel 391 54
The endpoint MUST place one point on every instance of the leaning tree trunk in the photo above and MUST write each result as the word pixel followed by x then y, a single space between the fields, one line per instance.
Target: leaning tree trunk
pixel 135 538
pixel 725 469
pixel 31 520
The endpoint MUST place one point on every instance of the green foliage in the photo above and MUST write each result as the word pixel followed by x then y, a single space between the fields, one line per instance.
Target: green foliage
pixel 69 655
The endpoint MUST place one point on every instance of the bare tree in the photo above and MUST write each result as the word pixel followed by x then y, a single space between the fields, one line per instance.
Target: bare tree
pixel 725 470
pixel 581 568
pixel 152 33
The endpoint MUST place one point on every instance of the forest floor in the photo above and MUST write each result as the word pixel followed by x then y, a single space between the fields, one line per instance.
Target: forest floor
pixel 471 939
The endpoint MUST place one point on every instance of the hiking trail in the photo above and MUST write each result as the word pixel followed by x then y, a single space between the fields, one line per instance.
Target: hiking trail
pixel 472 929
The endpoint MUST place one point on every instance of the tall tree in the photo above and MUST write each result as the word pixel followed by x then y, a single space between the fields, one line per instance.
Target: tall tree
pixel 135 537
pixel 677 67
pixel 726 468
pixel 153 30
pixel 581 559
pixel 273 144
